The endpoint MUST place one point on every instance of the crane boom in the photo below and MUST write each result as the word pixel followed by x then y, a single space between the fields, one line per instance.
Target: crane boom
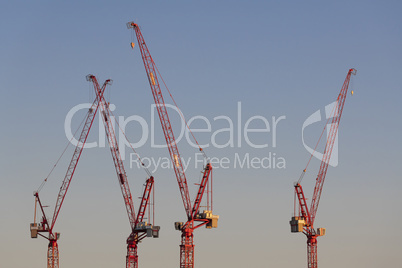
pixel 114 149
pixel 338 109
pixel 76 156
pixel 150 69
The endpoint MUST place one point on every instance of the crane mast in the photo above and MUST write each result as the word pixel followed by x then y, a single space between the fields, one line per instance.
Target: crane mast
pixel 142 229
pixel 192 211
pixel 305 221
pixel 44 225
pixel 137 232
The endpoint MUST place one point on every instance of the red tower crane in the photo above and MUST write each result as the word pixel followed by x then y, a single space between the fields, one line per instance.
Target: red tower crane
pixel 139 229
pixel 45 226
pixel 304 221
pixel 195 219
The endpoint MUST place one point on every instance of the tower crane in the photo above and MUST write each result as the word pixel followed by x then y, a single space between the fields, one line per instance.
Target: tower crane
pixel 46 226
pixel 304 221
pixel 139 228
pixel 195 218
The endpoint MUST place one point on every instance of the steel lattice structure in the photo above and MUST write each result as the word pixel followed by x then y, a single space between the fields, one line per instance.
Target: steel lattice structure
pixel 139 229
pixel 195 219
pixel 304 222
pixel 44 225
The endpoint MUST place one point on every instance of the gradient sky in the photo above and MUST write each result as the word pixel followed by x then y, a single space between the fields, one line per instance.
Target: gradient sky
pixel 278 58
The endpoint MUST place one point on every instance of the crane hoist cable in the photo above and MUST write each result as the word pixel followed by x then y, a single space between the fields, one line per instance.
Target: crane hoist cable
pixel 175 104
pixel 46 226
pixel 58 160
pixel 132 148
pixel 181 114
pixel 69 143
pixel 322 133
pixel 195 218
pixel 304 220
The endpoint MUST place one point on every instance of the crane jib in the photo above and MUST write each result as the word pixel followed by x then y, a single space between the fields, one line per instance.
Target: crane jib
pixel 118 163
pixel 165 121
pixel 76 155
pixel 305 221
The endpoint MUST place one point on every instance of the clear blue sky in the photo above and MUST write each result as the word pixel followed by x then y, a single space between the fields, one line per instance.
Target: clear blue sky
pixel 278 58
